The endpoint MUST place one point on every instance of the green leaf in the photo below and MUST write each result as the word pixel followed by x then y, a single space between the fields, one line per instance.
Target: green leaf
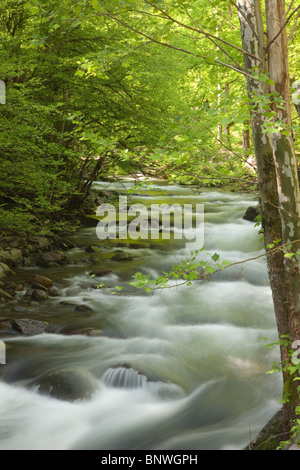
pixel 226 263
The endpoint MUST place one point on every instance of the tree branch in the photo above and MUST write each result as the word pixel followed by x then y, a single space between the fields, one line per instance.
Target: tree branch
pixel 223 16
pixel 200 30
pixel 170 46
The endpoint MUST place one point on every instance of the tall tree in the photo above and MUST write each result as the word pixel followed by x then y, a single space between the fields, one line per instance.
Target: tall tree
pixel 276 163
pixel 267 76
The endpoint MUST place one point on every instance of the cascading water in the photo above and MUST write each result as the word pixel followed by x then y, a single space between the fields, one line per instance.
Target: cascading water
pixel 181 368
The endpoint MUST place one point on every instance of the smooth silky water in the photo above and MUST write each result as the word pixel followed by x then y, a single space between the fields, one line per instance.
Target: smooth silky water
pixel 179 369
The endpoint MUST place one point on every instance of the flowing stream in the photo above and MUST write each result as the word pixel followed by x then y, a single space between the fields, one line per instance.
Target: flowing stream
pixel 179 369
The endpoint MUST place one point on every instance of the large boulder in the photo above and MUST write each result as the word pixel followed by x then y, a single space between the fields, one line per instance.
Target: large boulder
pixel 67 384
pixel 25 326
pixel 52 259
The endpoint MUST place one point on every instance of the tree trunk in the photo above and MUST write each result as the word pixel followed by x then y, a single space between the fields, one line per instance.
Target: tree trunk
pixel 284 152
pixel 246 139
pixel 276 171
pixel 286 170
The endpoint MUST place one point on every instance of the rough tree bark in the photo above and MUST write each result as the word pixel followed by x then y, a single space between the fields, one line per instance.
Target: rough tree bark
pixel 276 167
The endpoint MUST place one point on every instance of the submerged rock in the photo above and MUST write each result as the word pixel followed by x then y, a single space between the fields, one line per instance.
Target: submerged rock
pixel 83 309
pixel 251 213
pixel 123 377
pixel 90 332
pixel 67 384
pixel 122 257
pixel 54 292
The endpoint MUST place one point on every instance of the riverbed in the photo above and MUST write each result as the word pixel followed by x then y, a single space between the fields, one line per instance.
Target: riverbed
pixel 181 368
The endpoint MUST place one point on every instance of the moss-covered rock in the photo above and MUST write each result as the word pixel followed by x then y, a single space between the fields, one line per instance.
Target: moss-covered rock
pixel 270 436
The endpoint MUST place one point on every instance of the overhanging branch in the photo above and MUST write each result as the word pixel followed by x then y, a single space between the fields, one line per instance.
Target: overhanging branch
pixel 171 46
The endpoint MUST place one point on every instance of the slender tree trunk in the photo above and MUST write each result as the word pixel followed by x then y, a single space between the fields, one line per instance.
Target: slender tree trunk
pixel 284 152
pixel 246 139
pixel 286 171
pixel 220 127
pixel 276 170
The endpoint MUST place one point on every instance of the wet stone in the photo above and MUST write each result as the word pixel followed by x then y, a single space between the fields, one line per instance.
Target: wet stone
pixel 67 384
pixel 83 309
pixel 25 326
pixel 36 279
pixel 39 294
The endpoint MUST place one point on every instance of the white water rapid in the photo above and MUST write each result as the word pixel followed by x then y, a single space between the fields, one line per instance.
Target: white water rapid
pixel 179 369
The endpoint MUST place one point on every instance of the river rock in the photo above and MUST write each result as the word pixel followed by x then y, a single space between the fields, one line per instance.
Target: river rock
pixel 90 332
pixel 4 270
pixel 44 243
pixel 25 326
pixel 54 292
pixel 100 272
pixel 122 257
pixel 36 279
pixel 5 258
pixel 51 259
pixel 67 384
pixel 5 326
pixel 251 213
pixel 83 309
pixel 39 294
pixel 30 327
pixel 92 249
pixel 16 256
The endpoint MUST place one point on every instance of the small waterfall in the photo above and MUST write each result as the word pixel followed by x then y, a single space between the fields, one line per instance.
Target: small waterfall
pixel 123 377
